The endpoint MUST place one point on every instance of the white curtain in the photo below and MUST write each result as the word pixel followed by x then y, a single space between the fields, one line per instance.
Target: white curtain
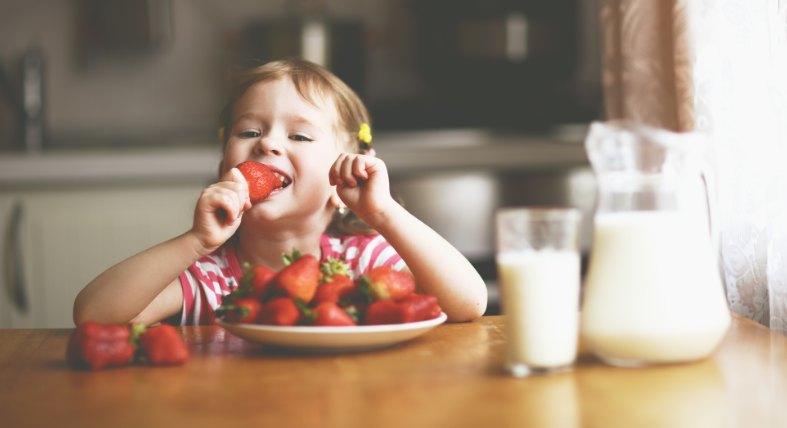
pixel 740 99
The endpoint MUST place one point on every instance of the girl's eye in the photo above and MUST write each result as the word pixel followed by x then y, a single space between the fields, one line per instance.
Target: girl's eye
pixel 249 134
pixel 298 137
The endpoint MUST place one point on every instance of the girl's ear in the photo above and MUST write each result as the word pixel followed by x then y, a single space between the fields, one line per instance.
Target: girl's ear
pixel 336 201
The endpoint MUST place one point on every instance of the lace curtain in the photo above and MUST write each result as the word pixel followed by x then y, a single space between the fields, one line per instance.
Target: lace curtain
pixel 719 67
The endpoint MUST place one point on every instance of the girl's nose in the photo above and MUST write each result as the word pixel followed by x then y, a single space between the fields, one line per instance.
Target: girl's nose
pixel 268 146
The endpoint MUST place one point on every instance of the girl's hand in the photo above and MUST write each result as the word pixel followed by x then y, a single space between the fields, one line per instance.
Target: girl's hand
pixel 362 184
pixel 219 210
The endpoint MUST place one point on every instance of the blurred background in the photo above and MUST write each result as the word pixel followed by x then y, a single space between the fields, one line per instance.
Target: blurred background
pixel 109 108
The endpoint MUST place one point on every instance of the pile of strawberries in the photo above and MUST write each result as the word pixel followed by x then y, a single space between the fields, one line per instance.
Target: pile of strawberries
pixel 307 292
pixel 95 346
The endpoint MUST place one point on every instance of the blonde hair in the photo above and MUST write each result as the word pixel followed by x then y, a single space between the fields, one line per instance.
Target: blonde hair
pixel 313 83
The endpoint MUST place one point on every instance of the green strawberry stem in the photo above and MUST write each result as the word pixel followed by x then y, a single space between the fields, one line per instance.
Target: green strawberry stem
pixel 309 314
pixel 353 313
pixel 137 330
pixel 288 259
pixel 332 267
pixel 365 288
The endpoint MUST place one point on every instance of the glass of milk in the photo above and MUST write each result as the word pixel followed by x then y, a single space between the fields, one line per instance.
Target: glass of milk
pixel 538 269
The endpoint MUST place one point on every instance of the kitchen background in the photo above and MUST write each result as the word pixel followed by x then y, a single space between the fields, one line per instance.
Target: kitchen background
pixel 108 113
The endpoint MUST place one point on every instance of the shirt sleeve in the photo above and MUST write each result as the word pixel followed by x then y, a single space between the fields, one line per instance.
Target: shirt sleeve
pixel 204 284
pixel 363 253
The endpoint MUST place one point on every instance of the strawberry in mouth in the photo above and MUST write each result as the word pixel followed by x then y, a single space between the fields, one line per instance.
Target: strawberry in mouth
pixel 262 180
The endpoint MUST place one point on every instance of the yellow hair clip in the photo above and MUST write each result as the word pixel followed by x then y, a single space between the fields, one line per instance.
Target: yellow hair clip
pixel 365 134
pixel 221 134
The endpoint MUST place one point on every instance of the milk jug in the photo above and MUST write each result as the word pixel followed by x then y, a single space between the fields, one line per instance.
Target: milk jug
pixel 653 294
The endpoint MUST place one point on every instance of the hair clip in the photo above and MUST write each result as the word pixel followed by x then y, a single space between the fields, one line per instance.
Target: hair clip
pixel 221 134
pixel 365 134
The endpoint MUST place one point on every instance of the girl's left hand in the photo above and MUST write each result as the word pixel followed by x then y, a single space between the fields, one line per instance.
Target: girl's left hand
pixel 362 184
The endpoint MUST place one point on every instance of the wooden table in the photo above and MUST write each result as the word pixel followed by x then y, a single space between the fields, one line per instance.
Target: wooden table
pixel 450 377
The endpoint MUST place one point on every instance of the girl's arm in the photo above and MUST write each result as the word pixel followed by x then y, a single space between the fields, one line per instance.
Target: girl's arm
pixel 439 268
pixel 146 287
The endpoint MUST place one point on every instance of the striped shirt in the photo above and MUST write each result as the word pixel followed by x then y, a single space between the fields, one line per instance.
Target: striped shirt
pixel 217 274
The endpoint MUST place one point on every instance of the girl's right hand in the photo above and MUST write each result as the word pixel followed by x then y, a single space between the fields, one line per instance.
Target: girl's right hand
pixel 219 210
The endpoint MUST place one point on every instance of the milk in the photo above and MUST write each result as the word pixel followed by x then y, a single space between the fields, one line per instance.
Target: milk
pixel 652 292
pixel 540 300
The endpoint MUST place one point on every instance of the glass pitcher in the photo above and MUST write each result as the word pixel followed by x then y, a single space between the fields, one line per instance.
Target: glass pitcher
pixel 652 292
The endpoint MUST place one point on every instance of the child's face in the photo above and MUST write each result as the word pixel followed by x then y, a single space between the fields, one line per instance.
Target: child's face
pixel 273 125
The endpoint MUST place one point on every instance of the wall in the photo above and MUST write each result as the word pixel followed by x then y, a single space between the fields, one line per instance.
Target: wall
pixel 173 95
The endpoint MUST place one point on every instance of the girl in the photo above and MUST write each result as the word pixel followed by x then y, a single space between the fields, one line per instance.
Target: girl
pixel 306 125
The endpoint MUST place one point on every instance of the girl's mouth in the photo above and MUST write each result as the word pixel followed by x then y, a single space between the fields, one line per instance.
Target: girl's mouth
pixel 285 180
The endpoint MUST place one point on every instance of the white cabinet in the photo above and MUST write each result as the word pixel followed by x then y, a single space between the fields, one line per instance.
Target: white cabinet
pixel 64 237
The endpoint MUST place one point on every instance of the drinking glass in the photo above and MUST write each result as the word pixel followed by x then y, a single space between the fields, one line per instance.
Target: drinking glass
pixel 538 265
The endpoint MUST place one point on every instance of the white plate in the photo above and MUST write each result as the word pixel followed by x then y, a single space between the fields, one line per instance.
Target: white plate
pixel 333 339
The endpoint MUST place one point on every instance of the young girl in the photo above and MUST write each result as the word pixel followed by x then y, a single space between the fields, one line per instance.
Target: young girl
pixel 307 126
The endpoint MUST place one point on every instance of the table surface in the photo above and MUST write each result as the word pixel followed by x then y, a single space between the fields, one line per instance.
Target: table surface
pixel 450 377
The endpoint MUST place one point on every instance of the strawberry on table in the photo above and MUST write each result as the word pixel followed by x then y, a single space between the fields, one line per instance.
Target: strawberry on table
pixel 387 283
pixel 261 180
pixel 162 345
pixel 299 279
pixel 280 311
pixel 97 346
pixel 241 311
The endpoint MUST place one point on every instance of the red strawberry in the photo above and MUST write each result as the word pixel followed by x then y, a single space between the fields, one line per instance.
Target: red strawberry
pixel 162 346
pixel 384 312
pixel 97 346
pixel 334 289
pixel 241 311
pixel 259 279
pixel 419 307
pixel 260 178
pixel 387 283
pixel 280 311
pixel 329 314
pixel 413 308
pixel 300 278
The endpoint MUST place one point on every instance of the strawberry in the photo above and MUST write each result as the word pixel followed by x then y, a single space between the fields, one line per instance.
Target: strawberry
pixel 329 314
pixel 259 277
pixel 419 307
pixel 97 346
pixel 386 283
pixel 335 289
pixel 299 279
pixel 384 312
pixel 240 311
pixel 260 178
pixel 162 346
pixel 413 308
pixel 280 311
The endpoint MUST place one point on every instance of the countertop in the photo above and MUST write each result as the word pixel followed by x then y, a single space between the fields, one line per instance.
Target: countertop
pixel 450 377
pixel 403 152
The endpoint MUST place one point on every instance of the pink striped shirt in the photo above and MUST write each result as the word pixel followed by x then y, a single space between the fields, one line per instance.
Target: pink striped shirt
pixel 216 275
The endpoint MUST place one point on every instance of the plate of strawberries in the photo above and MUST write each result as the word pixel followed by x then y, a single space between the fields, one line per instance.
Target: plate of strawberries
pixel 318 307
